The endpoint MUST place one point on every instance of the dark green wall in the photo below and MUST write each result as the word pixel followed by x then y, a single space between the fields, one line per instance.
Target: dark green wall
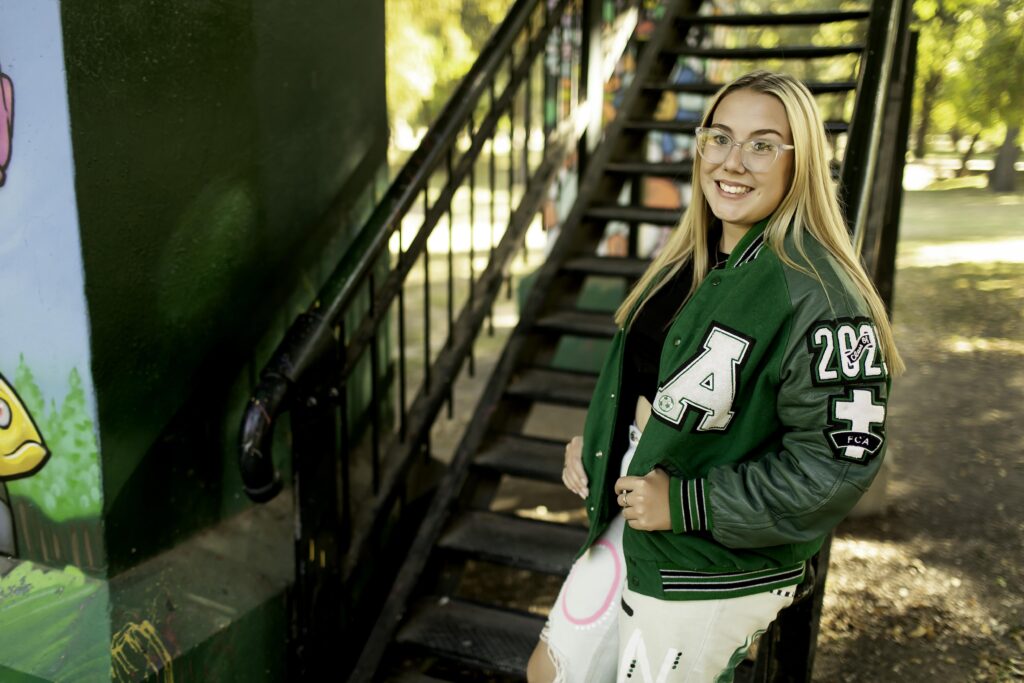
pixel 209 139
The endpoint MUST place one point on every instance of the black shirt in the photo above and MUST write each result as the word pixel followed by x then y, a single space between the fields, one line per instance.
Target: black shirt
pixel 644 340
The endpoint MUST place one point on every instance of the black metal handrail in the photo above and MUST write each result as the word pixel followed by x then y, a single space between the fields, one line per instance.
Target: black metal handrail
pixel 312 333
pixel 860 158
pixel 311 373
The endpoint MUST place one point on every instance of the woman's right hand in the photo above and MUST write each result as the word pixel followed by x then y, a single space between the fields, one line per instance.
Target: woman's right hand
pixel 573 475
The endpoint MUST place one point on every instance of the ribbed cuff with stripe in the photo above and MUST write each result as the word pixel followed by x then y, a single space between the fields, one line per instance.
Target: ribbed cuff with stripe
pixel 688 505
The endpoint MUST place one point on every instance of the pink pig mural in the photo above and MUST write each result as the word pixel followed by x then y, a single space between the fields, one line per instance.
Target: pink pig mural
pixel 6 123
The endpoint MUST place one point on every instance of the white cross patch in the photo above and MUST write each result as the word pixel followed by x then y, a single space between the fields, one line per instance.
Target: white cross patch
pixel 860 411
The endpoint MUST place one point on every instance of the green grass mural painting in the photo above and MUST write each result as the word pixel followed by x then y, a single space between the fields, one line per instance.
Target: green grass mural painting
pixel 62 616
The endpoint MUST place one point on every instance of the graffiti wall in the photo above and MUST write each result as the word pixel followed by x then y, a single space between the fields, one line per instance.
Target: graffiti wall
pixel 51 541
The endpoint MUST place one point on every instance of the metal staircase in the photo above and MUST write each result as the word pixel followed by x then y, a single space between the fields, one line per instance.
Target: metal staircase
pixel 424 626
pixel 426 630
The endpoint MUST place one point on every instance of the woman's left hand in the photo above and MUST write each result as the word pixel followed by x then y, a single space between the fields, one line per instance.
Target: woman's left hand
pixel 644 501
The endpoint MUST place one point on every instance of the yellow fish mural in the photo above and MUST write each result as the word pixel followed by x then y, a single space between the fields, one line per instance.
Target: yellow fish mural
pixel 22 449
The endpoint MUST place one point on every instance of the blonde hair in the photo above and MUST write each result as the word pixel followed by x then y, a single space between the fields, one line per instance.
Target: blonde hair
pixel 810 205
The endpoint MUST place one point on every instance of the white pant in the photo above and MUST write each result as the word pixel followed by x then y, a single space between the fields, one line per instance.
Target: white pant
pixel 601 632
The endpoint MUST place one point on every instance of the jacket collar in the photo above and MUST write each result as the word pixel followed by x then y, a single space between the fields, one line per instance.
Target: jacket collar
pixel 749 246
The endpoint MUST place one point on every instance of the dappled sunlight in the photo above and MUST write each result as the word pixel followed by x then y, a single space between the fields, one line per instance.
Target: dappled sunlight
pixel 958 344
pixel 918 255
pixel 542 513
pixel 855 593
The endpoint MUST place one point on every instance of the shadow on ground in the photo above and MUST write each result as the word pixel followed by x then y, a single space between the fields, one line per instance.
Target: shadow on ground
pixel 931 591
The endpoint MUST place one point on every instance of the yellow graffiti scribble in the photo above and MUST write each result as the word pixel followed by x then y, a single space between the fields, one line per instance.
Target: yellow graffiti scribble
pixel 22 450
pixel 138 647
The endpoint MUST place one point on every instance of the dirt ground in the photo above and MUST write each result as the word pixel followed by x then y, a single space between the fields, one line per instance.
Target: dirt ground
pixel 932 589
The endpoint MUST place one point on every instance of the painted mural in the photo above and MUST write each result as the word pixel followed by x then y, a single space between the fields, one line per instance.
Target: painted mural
pixel 54 604
pixel 47 513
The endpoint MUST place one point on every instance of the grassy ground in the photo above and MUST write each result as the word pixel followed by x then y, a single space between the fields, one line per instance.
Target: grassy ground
pixel 931 590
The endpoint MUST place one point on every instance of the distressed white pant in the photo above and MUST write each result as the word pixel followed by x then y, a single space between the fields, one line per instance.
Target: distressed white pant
pixel 693 641
pixel 601 632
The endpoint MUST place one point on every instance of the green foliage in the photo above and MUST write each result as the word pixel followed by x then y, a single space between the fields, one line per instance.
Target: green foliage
pixel 430 46
pixel 28 390
pixel 970 57
pixel 68 485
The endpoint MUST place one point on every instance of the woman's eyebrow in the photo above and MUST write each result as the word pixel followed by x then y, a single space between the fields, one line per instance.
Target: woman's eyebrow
pixel 761 131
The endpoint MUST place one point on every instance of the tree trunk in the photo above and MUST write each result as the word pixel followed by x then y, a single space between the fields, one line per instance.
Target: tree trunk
pixel 1003 177
pixel 931 91
pixel 955 136
pixel 967 156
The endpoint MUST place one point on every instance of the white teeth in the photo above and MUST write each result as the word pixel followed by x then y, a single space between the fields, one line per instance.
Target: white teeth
pixel 733 189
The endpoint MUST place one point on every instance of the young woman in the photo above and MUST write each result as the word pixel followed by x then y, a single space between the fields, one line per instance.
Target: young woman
pixel 740 413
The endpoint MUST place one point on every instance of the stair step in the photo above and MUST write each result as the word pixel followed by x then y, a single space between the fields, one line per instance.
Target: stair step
pixel 791 19
pixel 482 637
pixel 524 456
pixel 781 52
pixel 681 171
pixel 553 386
pixel 515 542
pixel 608 266
pixel 704 88
pixel 686 127
pixel 579 323
pixel 635 214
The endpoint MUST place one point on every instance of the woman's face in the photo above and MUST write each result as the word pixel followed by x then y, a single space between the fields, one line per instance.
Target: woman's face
pixel 737 196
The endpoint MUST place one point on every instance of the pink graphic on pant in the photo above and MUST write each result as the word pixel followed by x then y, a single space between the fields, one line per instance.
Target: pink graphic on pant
pixel 6 123
pixel 601 582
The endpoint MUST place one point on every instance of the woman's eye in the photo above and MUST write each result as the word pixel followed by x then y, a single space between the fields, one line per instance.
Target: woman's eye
pixel 762 146
pixel 721 140
pixel 5 414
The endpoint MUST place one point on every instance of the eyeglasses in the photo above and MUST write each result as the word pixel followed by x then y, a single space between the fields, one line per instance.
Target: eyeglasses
pixel 757 155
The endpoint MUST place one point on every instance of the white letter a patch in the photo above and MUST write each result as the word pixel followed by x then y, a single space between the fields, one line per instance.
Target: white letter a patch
pixel 707 382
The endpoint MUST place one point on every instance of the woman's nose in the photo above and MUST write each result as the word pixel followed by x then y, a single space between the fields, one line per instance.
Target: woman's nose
pixel 734 160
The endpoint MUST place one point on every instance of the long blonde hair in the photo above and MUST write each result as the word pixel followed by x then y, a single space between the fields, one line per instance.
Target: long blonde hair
pixel 810 205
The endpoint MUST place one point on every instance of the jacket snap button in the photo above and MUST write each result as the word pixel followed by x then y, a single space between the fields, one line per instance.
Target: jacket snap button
pixel 677 341
pixel 715 282
pixel 591 508
pixel 613 395
pixel 598 454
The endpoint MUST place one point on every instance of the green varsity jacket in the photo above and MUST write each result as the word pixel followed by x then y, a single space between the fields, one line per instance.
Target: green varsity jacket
pixel 769 418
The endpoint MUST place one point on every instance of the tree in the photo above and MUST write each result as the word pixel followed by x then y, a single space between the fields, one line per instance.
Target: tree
pixel 939 26
pixel 430 45
pixel 997 72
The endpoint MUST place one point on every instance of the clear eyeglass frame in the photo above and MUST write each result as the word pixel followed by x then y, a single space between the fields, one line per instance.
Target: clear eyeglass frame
pixel 754 160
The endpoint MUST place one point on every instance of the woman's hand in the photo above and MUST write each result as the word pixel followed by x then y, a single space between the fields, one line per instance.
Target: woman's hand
pixel 573 475
pixel 644 501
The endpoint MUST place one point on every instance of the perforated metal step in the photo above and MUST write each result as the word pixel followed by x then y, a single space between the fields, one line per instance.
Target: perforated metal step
pixel 635 214
pixel 553 386
pixel 631 268
pixel 680 171
pixel 792 19
pixel 482 637
pixel 781 52
pixel 579 323
pixel 515 542
pixel 524 456
pixel 705 88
